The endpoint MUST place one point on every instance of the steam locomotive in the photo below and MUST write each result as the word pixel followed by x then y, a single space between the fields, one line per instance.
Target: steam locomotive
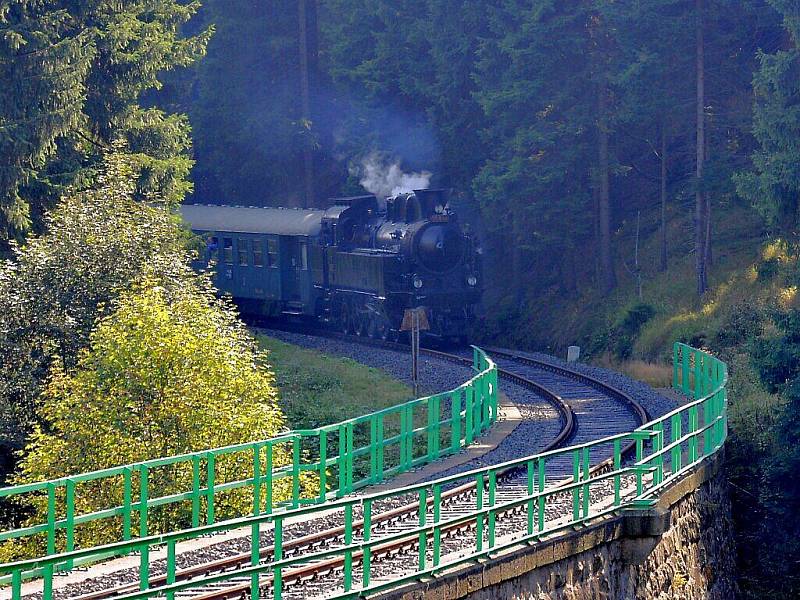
pixel 356 266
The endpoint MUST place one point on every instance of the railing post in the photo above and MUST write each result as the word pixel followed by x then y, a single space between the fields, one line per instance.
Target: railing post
pixel 586 470
pixel 693 425
pixel 677 451
pixel 529 479
pixel 69 524
pixel 455 421
pixel 374 476
pixel 686 383
pixel 639 453
pixel 51 540
pixel 492 515
pixel 255 529
pixel 277 555
pixel 366 537
pixel 381 446
pixel 675 355
pixel 576 492
pixel 349 451
pixel 433 427
pixel 617 465
pixel 342 460
pixel 323 460
pixel 541 500
pixel 144 561
pixel 348 553
pixel 171 568
pixel 16 586
pixel 268 478
pixel 423 536
pixel 256 479
pixel 437 532
pixel 196 490
pixel 127 500
pixel 210 473
pixel 296 470
pixel 469 396
pixel 479 517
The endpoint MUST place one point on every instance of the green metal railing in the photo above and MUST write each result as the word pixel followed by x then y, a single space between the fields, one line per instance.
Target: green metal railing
pixel 333 460
pixel 665 449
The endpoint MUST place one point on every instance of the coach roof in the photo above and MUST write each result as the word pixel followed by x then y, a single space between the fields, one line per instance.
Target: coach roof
pixel 241 219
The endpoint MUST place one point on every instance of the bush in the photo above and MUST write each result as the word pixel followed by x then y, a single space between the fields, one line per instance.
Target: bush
pixel 170 371
pixel 98 241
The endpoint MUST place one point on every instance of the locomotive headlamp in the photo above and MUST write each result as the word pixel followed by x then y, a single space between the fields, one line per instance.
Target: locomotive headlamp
pixel 472 281
pixel 417 281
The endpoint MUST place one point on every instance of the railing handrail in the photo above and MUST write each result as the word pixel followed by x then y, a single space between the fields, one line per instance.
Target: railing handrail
pixel 471 410
pixel 664 463
pixel 288 435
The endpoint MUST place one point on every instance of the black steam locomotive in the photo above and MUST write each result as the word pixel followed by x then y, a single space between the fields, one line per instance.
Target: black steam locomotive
pixel 356 266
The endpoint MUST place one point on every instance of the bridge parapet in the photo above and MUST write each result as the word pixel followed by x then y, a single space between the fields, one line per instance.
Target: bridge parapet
pixel 285 473
pixel 560 492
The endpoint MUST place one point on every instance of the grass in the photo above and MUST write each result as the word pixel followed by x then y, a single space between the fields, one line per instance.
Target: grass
pixel 654 374
pixel 316 389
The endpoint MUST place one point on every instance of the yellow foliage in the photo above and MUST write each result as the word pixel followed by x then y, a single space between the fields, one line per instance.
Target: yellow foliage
pixel 171 371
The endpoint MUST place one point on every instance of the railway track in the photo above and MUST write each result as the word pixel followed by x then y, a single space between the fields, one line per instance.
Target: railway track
pixel 571 394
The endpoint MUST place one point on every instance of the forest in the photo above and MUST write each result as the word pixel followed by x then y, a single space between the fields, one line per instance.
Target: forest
pixel 631 168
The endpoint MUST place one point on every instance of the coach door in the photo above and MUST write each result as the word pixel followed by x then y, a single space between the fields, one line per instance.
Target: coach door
pixel 295 269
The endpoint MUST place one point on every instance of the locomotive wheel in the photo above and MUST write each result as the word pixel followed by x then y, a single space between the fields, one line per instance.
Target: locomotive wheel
pixel 379 328
pixel 346 319
pixel 361 323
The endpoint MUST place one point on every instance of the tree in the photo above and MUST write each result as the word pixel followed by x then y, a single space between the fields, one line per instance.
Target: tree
pixel 170 370
pixel 74 73
pixel 773 186
pixel 98 242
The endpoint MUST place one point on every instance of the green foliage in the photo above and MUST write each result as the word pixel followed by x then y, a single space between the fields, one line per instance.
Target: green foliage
pixel 316 389
pixel 777 359
pixel 73 74
pixel 170 371
pixel 98 242
pixel 774 184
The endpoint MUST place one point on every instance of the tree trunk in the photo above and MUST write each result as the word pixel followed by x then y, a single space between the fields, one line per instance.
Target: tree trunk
pixel 700 205
pixel 663 197
pixel 307 17
pixel 608 278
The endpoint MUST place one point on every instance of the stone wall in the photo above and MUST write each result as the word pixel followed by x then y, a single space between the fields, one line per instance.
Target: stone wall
pixel 681 551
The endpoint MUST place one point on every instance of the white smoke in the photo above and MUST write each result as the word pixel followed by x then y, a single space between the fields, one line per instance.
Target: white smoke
pixel 383 177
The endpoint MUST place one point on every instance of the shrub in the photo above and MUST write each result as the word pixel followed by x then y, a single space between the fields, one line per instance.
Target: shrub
pixel 170 371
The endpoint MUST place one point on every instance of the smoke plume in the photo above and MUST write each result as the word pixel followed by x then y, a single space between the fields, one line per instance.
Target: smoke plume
pixel 383 177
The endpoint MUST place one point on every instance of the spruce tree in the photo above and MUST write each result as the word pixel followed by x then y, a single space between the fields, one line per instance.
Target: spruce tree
pixel 74 73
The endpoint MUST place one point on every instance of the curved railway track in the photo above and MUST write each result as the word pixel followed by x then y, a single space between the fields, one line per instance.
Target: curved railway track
pixel 587 409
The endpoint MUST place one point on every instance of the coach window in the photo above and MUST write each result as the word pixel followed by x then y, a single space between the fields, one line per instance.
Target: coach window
pixel 304 256
pixel 258 256
pixel 227 250
pixel 242 247
pixel 272 253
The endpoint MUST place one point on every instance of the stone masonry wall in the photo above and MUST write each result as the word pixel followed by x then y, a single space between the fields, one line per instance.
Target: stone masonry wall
pixel 692 559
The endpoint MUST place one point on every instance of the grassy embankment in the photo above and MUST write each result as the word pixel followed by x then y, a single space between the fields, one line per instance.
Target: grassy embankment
pixel 316 389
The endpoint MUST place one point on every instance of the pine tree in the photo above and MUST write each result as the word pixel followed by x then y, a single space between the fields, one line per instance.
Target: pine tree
pixel 74 74
pixel 774 184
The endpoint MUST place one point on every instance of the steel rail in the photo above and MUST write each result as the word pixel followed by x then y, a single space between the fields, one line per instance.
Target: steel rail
pixel 315 570
pixel 568 425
